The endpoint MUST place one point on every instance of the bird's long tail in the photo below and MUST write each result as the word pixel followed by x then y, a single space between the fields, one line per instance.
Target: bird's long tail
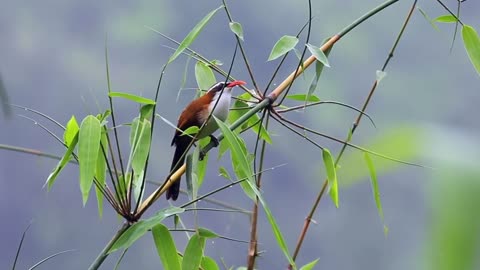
pixel 177 162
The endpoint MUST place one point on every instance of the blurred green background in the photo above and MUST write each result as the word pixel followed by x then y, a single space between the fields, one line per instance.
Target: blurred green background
pixel 426 111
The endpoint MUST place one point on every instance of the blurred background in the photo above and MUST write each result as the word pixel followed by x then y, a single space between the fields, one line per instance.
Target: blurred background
pixel 426 111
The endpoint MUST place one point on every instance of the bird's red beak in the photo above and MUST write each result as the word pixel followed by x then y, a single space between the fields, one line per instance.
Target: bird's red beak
pixel 235 83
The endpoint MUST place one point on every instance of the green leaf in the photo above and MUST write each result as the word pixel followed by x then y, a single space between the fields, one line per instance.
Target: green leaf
pixel 209 264
pixel 70 131
pixel 101 170
pixel 243 169
pixel 318 73
pixel 166 247
pixel 319 54
pixel 241 165
pixel 61 164
pixel 237 29
pixel 204 76
pixel 88 145
pixel 203 232
pixel 141 146
pixel 432 23
pixel 223 172
pixel 132 97
pixel 190 131
pixel 331 175
pixel 310 265
pixel 138 229
pixel 201 170
pixel 375 189
pixel 446 19
pixel 283 45
pixel 471 42
pixel 303 97
pixel 191 176
pixel 188 40
pixel 146 111
pixel 192 257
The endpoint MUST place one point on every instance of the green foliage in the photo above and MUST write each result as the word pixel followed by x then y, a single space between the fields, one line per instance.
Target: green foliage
pixel 132 97
pixel 188 40
pixel 303 97
pixel 137 230
pixel 331 175
pixel 237 29
pixel 88 146
pixel 319 54
pixel 283 46
pixel 472 45
pixel 310 265
pixel 204 76
pixel 192 257
pixel 165 247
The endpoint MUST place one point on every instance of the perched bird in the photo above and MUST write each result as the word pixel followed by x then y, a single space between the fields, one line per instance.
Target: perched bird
pixel 195 114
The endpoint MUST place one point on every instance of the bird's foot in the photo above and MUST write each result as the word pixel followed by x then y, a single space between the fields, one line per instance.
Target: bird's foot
pixel 214 140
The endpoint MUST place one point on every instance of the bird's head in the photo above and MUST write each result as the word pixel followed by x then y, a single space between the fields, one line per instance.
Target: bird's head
pixel 225 85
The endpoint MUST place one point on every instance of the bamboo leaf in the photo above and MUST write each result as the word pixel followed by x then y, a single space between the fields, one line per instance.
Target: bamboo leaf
pixel 71 130
pixel 100 171
pixel 331 175
pixel 209 264
pixel 203 232
pixel 283 45
pixel 237 29
pixel 223 172
pixel 204 76
pixel 138 229
pixel 192 257
pixel 88 145
pixel 303 97
pixel 310 265
pixel 471 42
pixel 318 72
pixel 166 247
pixel 375 189
pixel 188 40
pixel 319 54
pixel 446 19
pixel 61 164
pixel 132 97
pixel 240 163
pixel 432 23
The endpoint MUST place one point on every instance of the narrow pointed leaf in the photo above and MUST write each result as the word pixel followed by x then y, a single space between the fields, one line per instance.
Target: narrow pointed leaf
pixel 61 164
pixel 432 23
pixel 71 130
pixel 204 76
pixel 166 247
pixel 132 97
pixel 138 229
pixel 446 19
pixel 141 147
pixel 209 264
pixel 223 172
pixel 319 54
pixel 88 145
pixel 201 169
pixel 471 42
pixel 192 257
pixel 303 97
pixel 375 189
pixel 331 175
pixel 191 176
pixel 318 73
pixel 237 29
pixel 203 232
pixel 101 171
pixel 188 40
pixel 240 163
pixel 310 265
pixel 283 45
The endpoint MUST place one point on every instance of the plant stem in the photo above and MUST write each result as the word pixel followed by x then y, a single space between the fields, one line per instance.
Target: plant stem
pixel 252 250
pixel 355 125
pixel 104 253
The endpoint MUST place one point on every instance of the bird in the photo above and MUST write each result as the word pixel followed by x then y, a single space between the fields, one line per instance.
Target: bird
pixel 217 98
